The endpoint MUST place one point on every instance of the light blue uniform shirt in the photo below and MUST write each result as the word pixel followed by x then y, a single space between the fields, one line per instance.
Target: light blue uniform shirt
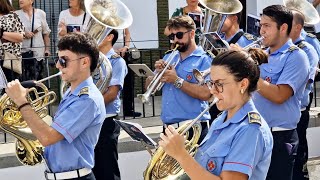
pixel 237 145
pixel 313 62
pixel 178 106
pixel 79 119
pixel 242 42
pixel 289 67
pixel 311 40
pixel 119 72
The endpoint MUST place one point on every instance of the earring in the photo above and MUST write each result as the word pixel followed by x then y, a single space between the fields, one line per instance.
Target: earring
pixel 242 91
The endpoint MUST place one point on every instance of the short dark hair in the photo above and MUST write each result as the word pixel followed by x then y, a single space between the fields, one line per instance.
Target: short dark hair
pixel 298 17
pixel 239 16
pixel 241 65
pixel 81 43
pixel 115 36
pixel 279 14
pixel 184 21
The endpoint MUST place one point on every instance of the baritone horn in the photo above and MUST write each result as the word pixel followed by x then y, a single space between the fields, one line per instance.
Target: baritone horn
pixel 200 76
pixel 155 84
pixel 105 15
pixel 162 166
pixel 29 150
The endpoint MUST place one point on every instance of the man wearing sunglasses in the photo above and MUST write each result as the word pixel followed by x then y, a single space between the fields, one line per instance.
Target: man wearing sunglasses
pixel 106 151
pixel 182 98
pixel 69 141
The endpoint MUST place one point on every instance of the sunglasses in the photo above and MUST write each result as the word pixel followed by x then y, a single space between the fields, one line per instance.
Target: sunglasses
pixel 179 35
pixel 63 62
pixel 218 86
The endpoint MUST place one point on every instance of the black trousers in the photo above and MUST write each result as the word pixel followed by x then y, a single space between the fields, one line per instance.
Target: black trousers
pixel 300 170
pixel 106 152
pixel 32 69
pixel 283 155
pixel 128 90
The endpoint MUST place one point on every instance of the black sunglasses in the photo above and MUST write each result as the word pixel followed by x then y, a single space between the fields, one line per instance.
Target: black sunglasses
pixel 179 35
pixel 63 62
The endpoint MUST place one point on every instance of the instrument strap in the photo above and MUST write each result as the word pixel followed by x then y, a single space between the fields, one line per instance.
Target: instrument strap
pixel 236 37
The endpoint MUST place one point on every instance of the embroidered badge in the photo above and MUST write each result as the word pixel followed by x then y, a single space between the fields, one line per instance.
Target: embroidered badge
pixel 114 56
pixel 189 77
pixel 249 37
pixel 211 165
pixel 254 117
pixel 268 79
pixel 292 48
pixel 84 90
pixel 311 35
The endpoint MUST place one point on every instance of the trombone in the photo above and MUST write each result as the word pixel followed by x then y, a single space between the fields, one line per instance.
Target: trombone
pixel 155 84
pixel 201 75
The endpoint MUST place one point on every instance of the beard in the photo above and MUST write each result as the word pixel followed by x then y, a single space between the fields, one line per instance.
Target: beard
pixel 183 47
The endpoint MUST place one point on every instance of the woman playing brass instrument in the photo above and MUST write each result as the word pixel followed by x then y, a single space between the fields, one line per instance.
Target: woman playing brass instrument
pixel 239 142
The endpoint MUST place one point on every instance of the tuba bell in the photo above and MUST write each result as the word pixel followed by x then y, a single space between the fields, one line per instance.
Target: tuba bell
pixel 105 15
pixel 162 166
pixel 28 149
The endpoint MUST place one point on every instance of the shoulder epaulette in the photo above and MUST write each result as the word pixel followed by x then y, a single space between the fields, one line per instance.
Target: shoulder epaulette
pixel 114 56
pixel 292 48
pixel 311 35
pixel 210 54
pixel 169 51
pixel 301 45
pixel 250 37
pixel 84 90
pixel 254 117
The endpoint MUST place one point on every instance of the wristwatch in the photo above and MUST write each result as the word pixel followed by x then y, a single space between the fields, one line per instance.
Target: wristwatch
pixel 178 82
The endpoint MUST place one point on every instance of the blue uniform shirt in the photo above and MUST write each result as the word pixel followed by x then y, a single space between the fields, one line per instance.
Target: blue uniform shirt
pixel 288 65
pixel 243 41
pixel 311 39
pixel 119 72
pixel 313 61
pixel 79 119
pixel 178 106
pixel 237 145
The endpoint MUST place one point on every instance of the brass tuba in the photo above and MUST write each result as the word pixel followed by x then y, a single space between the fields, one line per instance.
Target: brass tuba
pixel 105 15
pixel 28 149
pixel 162 166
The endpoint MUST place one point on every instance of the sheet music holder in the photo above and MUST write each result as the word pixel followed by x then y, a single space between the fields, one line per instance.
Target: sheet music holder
pixel 135 131
pixel 214 43
pixel 141 70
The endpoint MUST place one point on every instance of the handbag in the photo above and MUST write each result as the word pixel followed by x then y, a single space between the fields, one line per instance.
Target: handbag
pixel 133 54
pixel 12 62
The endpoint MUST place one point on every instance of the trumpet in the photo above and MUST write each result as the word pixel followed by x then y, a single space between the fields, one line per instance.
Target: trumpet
pixel 155 84
pixel 201 75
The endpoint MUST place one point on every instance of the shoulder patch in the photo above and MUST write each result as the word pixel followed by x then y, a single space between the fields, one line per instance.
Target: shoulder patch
pixel 210 54
pixel 250 37
pixel 254 117
pixel 84 90
pixel 169 51
pixel 301 45
pixel 292 48
pixel 114 56
pixel 311 35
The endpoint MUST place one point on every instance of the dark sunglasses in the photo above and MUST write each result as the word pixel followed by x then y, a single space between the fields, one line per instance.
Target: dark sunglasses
pixel 63 62
pixel 179 35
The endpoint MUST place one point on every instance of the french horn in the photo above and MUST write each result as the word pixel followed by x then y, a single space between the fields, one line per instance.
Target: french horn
pixel 105 15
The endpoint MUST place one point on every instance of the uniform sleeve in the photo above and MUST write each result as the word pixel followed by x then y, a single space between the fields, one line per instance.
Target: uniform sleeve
pixel 295 71
pixel 246 151
pixel 119 72
pixel 313 60
pixel 76 118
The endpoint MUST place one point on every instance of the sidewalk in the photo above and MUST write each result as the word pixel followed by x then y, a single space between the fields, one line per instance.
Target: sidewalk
pixel 152 126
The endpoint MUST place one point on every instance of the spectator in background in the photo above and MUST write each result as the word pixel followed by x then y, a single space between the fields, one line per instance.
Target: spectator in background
pixel 11 35
pixel 36 39
pixel 315 3
pixel 121 47
pixel 73 19
pixel 192 7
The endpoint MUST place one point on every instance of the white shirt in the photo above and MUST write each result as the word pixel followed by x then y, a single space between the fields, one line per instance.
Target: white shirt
pixel 69 19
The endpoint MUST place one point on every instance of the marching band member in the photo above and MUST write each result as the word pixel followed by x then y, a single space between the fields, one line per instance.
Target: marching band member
pixel 239 142
pixel 182 98
pixel 69 141
pixel 281 86
pixel 106 151
pixel 231 32
pixel 300 165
